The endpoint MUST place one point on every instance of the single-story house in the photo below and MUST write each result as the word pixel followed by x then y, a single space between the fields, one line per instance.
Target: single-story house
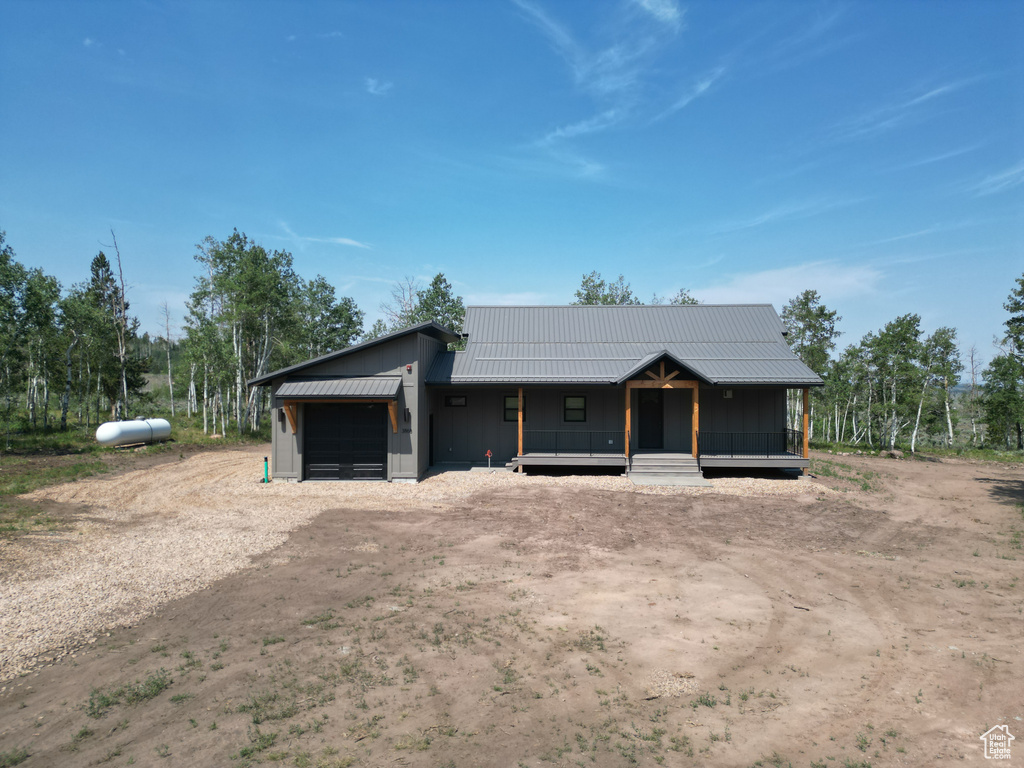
pixel 660 388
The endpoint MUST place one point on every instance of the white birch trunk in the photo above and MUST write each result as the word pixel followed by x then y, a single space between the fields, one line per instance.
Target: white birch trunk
pixel 917 421
pixel 206 399
pixel 949 417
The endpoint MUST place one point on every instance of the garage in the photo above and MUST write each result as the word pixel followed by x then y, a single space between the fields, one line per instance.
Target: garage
pixel 346 424
pixel 345 441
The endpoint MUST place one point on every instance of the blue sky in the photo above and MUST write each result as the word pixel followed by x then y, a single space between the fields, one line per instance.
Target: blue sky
pixel 873 151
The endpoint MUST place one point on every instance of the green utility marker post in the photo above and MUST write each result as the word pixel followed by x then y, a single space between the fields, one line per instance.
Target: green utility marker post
pixel 266 477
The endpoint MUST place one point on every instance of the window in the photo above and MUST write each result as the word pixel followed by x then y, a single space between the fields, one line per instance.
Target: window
pixel 512 408
pixel 455 401
pixel 575 408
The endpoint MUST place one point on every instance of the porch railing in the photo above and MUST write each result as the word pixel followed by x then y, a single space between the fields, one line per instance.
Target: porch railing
pixel 563 441
pixel 758 445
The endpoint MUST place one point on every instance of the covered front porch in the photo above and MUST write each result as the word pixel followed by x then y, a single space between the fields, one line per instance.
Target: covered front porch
pixel 661 415
pixel 766 450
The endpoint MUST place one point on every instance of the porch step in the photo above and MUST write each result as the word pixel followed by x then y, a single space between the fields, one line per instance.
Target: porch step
pixel 664 466
pixel 655 463
pixel 665 469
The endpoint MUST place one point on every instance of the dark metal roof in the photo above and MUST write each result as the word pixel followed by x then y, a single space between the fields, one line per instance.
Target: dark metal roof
pixel 720 344
pixel 429 328
pixel 353 386
pixel 625 324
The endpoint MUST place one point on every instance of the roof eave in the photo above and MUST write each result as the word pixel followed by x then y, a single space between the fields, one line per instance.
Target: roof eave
pixel 430 328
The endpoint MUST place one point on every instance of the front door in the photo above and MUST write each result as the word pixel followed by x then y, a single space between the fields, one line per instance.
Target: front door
pixel 652 419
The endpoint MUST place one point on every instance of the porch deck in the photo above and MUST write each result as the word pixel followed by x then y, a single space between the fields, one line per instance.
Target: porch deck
pixel 767 450
pixel 764 450
pixel 785 460
pixel 540 459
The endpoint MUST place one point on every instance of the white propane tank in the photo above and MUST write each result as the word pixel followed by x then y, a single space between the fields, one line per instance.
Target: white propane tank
pixel 131 432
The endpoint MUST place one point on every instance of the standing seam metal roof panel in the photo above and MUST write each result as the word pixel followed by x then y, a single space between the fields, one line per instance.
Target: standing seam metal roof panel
pixel 720 343
pixel 355 387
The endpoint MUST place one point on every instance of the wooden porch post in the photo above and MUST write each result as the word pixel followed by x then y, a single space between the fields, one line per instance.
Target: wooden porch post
pixel 696 418
pixel 629 391
pixel 520 421
pixel 807 424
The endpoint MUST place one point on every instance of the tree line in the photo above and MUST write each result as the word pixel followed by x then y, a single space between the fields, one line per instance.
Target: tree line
pixel 899 385
pixel 79 350
pixel 76 354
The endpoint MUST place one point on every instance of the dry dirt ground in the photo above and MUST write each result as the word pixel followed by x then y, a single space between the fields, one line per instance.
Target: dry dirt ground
pixel 869 616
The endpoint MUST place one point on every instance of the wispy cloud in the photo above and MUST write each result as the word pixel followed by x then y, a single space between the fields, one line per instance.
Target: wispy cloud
pixel 337 241
pixel 293 235
pixel 890 116
pixel 334 34
pixel 930 255
pixel 833 280
pixel 906 236
pixel 697 89
pixel 787 37
pixel 816 38
pixel 930 159
pixel 1001 181
pixel 593 124
pixel 610 70
pixel 615 74
pixel 665 11
pixel 377 87
pixel 785 212
pixel 927 231
pixel 89 42
pixel 558 161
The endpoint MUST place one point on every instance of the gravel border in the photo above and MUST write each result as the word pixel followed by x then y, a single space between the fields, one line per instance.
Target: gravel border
pixel 161 533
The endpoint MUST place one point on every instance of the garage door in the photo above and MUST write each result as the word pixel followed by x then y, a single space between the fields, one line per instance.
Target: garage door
pixel 345 442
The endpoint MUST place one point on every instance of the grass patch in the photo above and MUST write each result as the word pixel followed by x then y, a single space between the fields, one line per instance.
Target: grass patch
pixel 33 458
pixel 705 700
pixel 16 756
pixel 323 620
pixel 590 640
pixel 268 706
pixel 980 454
pixel 258 742
pixel 32 478
pixel 866 479
pixel 101 700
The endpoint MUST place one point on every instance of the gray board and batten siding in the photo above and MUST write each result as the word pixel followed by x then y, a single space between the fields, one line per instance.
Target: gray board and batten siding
pixel 376 370
pixel 466 431
pixel 456 406
pixel 736 354
pixel 469 421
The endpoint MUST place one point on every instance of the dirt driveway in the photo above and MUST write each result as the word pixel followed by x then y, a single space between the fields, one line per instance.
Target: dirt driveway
pixel 872 616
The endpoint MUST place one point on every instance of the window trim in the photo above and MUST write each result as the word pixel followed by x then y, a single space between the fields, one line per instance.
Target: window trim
pixel 505 410
pixel 566 409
